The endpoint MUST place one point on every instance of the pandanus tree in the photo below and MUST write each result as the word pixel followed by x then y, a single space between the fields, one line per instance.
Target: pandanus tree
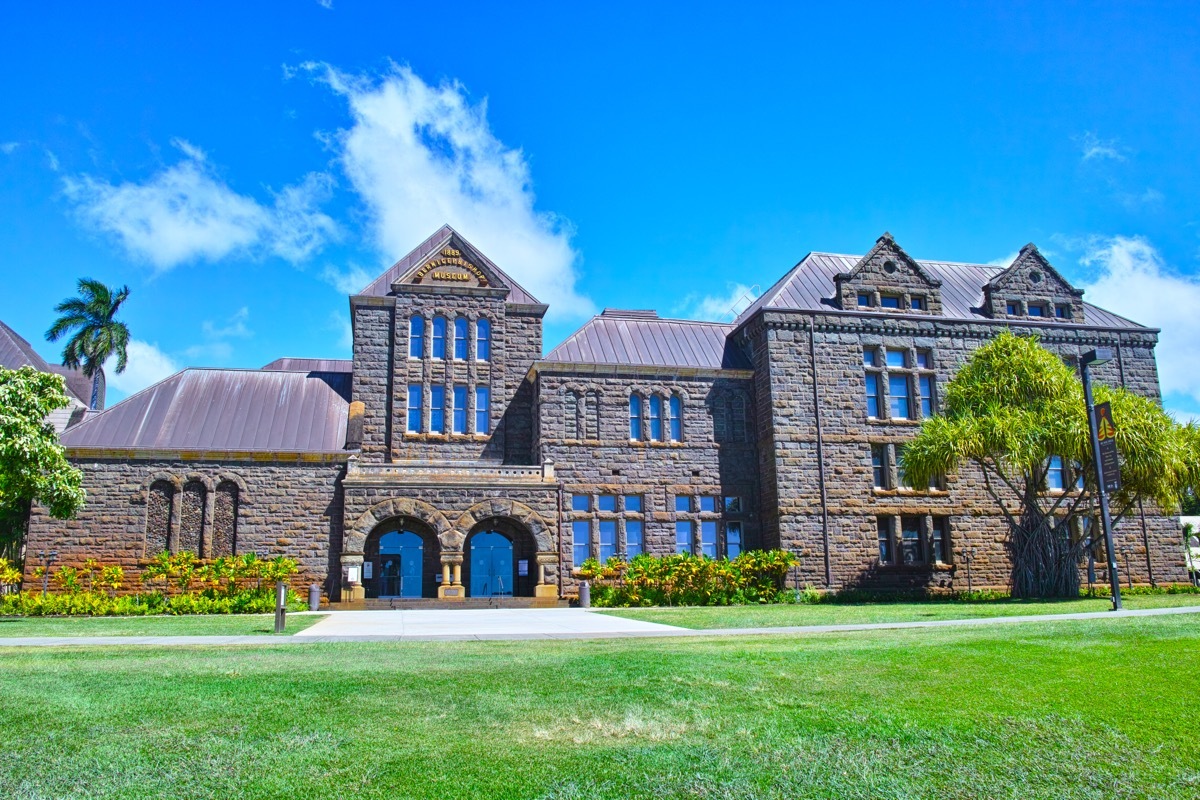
pixel 95 333
pixel 1012 408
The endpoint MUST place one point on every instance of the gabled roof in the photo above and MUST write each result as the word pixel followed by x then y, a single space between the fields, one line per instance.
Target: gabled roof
pixel 225 410
pixel 382 286
pixel 310 365
pixel 641 338
pixel 16 352
pixel 1031 256
pixel 810 286
pixel 887 244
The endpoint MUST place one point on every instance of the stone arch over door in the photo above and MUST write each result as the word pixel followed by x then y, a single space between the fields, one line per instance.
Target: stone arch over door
pixel 519 512
pixel 503 576
pixel 449 539
pixel 431 555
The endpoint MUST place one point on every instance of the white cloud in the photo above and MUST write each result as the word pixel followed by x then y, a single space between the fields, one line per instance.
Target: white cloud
pixel 340 324
pixel 1006 261
pixel 718 307
pixel 235 326
pixel 326 4
pixel 422 156
pixel 352 280
pixel 186 213
pixel 1135 282
pixel 52 161
pixel 147 365
pixel 8 148
pixel 1094 147
pixel 217 348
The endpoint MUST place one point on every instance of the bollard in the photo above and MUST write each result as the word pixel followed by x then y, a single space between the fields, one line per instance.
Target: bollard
pixel 585 595
pixel 314 597
pixel 280 606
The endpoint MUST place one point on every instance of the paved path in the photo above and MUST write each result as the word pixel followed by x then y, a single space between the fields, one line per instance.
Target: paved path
pixel 499 624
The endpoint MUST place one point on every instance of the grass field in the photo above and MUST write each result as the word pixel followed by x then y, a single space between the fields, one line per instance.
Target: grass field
pixel 1094 709
pixel 775 616
pixel 184 625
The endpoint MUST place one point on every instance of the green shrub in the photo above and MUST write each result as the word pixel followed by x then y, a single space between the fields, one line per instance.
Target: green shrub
pixel 254 600
pixel 755 576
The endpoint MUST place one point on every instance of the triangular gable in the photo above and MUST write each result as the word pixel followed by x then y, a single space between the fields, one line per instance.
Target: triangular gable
pixel 1032 280
pixel 447 259
pixel 888 271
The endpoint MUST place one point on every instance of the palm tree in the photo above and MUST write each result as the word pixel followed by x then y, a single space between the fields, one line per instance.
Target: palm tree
pixel 95 333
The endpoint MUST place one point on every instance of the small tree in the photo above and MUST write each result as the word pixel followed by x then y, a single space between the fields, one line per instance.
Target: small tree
pixel 95 331
pixel 1012 407
pixel 33 466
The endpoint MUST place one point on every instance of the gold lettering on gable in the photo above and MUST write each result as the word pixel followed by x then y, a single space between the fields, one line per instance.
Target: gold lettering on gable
pixel 446 267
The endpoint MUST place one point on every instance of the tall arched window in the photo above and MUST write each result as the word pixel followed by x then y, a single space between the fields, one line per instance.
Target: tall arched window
pixel 483 340
pixel 158 517
pixel 460 338
pixel 571 416
pixel 439 337
pixel 191 518
pixel 635 417
pixel 416 337
pixel 656 429
pixel 225 513
pixel 676 427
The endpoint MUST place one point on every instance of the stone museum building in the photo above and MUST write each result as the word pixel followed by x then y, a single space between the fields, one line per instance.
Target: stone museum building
pixel 451 458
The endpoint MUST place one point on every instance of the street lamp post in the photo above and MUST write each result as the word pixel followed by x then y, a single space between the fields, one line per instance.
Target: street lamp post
pixel 1100 355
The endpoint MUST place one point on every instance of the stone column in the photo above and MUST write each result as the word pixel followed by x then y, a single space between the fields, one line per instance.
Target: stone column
pixel 451 587
pixel 352 588
pixel 546 593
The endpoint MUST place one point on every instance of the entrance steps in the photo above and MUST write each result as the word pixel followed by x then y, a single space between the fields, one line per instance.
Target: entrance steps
pixel 430 603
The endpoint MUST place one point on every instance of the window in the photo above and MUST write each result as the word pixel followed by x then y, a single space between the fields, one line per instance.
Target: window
pixel 940 537
pixel 925 383
pixel 439 337
pixel 889 301
pixel 608 539
pixel 901 477
pixel 581 535
pixel 437 409
pixel 581 502
pixel 683 537
pixel 923 360
pixel 633 503
pixel 884 526
pixel 1062 312
pixel 606 502
pixel 656 430
pixel 414 408
pixel 864 300
pixel 879 466
pixel 733 540
pixel 897 358
pixel 459 419
pixel 708 504
pixel 416 337
pixel 483 340
pixel 918 304
pixel 872 395
pixel 708 539
pixel 1012 308
pixel 675 407
pixel 1055 478
pixel 483 409
pixel 733 505
pixel 633 538
pixel 1036 310
pixel 460 338
pixel 898 396
pixel 683 503
pixel 910 540
pixel 635 417
pixel 869 357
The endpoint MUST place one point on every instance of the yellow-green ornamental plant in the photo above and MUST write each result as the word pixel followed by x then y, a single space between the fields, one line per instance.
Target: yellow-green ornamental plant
pixel 1012 406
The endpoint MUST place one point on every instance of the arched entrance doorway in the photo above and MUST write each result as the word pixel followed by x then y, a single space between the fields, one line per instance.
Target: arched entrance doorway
pixel 499 560
pixel 401 560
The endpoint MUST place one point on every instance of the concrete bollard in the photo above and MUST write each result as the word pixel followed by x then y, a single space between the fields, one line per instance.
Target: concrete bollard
pixel 314 597
pixel 585 594
pixel 280 606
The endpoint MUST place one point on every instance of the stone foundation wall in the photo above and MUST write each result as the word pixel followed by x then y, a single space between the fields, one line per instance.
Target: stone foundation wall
pixel 288 509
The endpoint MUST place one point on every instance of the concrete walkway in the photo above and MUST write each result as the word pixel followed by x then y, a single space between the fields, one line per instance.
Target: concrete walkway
pixel 509 624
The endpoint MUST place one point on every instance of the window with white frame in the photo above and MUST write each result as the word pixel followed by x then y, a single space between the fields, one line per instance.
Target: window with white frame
pixel 439 337
pixel 675 406
pixel 635 416
pixel 458 412
pixel 460 339
pixel 416 337
pixel 437 409
pixel 483 409
pixel 414 408
pixel 483 340
pixel 908 377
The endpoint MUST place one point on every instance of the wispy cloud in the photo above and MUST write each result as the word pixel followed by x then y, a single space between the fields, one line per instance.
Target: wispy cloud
pixel 339 323
pixel 187 213
pixel 216 347
pixel 326 4
pixel 1094 148
pixel 1005 261
pixel 351 280
pixel 8 148
pixel 1134 281
pixel 147 365
pixel 421 156
pixel 718 307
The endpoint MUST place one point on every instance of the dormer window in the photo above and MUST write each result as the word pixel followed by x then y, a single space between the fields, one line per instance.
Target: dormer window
pixel 864 300
pixel 1037 310
pixel 1062 312
pixel 889 301
pixel 918 304
pixel 1012 308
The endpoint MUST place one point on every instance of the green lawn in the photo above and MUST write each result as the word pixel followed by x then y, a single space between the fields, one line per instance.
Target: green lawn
pixel 1094 709
pixel 185 625
pixel 851 614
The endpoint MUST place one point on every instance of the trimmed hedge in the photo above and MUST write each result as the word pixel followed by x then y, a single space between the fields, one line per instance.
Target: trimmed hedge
pixel 755 576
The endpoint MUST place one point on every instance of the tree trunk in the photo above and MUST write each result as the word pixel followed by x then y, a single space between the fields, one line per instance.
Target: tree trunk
pixel 1044 560
pixel 95 389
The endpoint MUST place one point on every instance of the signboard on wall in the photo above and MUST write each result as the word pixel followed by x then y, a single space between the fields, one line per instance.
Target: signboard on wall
pixel 367 566
pixel 523 567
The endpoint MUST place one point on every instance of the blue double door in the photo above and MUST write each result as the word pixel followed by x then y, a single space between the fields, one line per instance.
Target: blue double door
pixel 401 555
pixel 491 565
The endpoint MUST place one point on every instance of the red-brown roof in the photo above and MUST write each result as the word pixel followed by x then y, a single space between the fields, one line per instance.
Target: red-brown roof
pixel 641 338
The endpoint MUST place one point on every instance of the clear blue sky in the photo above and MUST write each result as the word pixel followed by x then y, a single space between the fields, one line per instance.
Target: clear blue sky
pixel 242 166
